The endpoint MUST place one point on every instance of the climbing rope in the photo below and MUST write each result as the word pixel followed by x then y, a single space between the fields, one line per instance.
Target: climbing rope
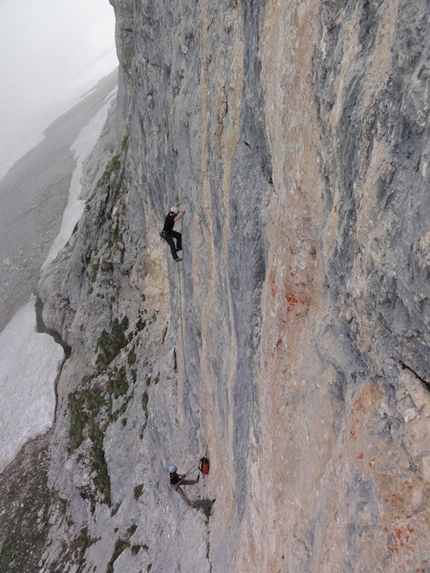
pixel 184 367
pixel 192 468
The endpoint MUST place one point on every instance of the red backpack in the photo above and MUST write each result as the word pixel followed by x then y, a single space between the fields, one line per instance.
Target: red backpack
pixel 204 466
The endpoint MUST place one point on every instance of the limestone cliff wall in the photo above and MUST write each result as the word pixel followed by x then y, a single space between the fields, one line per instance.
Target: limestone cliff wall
pixel 292 342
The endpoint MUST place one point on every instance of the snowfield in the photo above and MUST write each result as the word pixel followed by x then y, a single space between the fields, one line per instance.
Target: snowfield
pixel 29 364
pixel 75 207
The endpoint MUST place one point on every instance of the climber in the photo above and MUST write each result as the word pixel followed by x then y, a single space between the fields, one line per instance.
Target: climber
pixel 168 234
pixel 176 480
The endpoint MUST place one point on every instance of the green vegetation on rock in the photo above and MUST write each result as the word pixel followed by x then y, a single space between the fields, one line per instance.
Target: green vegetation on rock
pixel 145 399
pixel 111 343
pixel 24 513
pixel 138 491
pixel 117 383
pixel 80 546
pixel 120 546
pixel 101 479
pixel 84 405
pixel 92 273
pixel 112 166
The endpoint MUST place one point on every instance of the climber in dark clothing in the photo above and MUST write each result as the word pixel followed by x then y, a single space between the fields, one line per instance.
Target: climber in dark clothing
pixel 168 234
pixel 176 480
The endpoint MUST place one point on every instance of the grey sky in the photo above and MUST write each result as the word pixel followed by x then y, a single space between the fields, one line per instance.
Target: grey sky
pixel 51 52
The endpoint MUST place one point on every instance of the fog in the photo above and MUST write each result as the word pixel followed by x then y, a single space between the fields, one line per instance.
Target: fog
pixel 51 53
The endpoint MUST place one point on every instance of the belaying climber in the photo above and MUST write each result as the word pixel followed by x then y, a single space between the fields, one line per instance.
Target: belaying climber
pixel 176 480
pixel 168 234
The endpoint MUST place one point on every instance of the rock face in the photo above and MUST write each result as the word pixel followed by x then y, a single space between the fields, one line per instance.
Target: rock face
pixel 291 345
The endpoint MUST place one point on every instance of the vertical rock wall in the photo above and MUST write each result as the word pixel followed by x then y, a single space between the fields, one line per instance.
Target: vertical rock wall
pixel 291 344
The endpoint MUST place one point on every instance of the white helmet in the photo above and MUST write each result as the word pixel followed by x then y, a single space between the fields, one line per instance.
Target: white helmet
pixel 172 468
pixel 175 210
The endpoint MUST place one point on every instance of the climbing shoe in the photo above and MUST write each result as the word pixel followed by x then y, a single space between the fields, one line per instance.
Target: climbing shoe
pixel 178 259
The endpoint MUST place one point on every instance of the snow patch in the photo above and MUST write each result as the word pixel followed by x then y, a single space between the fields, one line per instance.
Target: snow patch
pixel 29 365
pixel 82 147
